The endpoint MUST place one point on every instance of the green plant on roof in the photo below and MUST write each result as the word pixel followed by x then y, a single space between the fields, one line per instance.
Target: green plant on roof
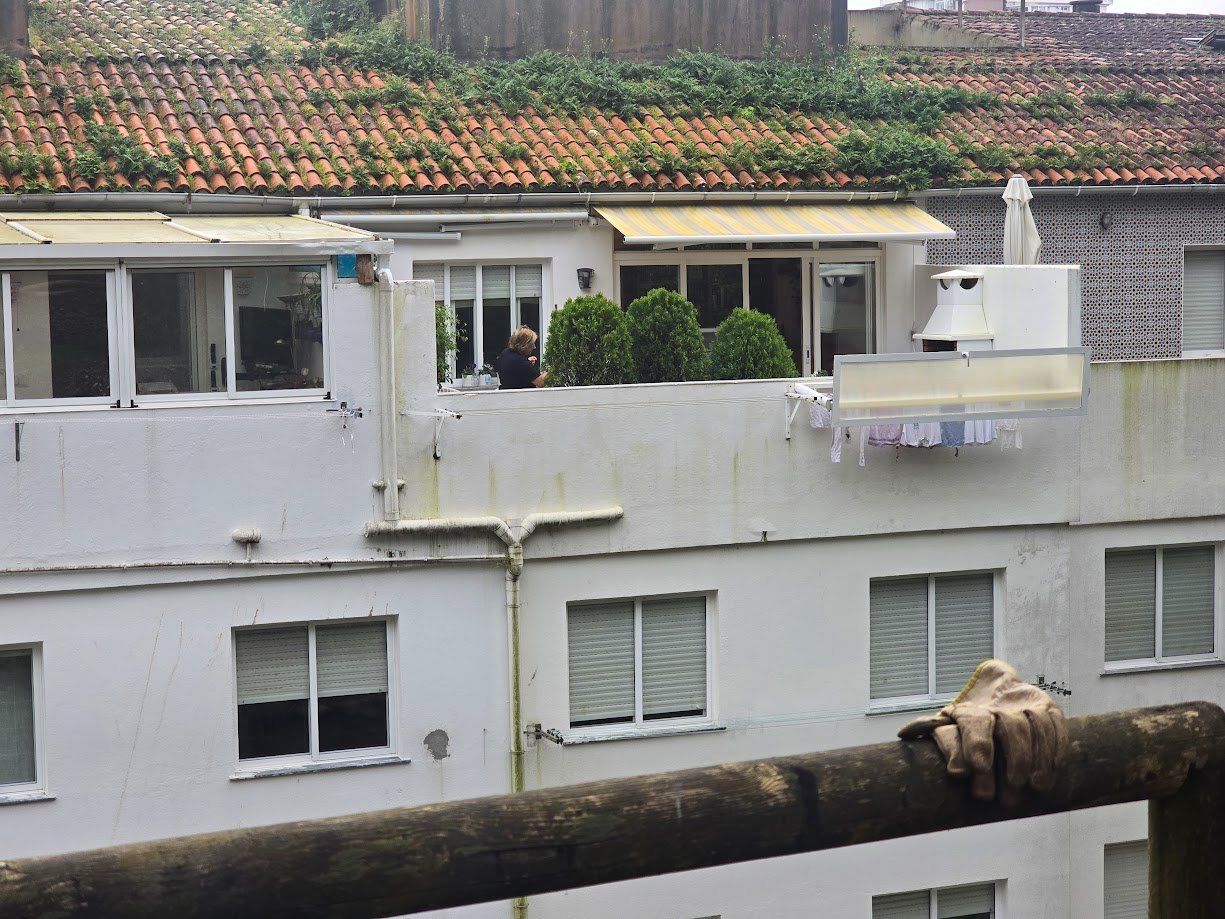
pixel 1207 150
pixel 588 344
pixel 511 150
pixel 896 156
pixel 1049 104
pixel 749 346
pixel 132 159
pixel 10 70
pixel 88 165
pixel 665 338
pixel 1124 98
pixel 324 18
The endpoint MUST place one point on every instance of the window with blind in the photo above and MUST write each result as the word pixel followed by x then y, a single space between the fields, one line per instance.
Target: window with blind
pixel 18 724
pixel 1203 301
pixel 312 690
pixel 928 633
pixel 634 662
pixel 1125 875
pixel 975 901
pixel 1160 603
pixel 489 303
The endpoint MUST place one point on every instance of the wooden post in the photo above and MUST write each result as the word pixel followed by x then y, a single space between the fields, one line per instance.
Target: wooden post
pixel 1022 23
pixel 445 855
pixel 1186 848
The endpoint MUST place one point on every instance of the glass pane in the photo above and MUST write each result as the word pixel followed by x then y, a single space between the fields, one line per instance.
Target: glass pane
pixel 970 902
pixel 1187 588
pixel 715 290
pixel 279 327
pixel 776 288
pixel 1131 605
pixel 495 311
pixel 61 346
pixel 529 314
pixel 601 653
pixel 674 658
pixel 965 627
pixel 465 351
pixel 637 280
pixel 273 728
pixel 913 905
pixel 17 718
pixel 848 297
pixel 353 722
pixel 898 638
pixel 178 327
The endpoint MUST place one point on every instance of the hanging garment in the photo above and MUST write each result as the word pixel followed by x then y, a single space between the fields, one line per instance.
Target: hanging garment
pixel 1009 430
pixel 819 416
pixel 835 447
pixel 863 441
pixel 952 433
pixel 925 434
pixel 885 435
pixel 980 431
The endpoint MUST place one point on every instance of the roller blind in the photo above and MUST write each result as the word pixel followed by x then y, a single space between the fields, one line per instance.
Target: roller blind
pixel 17 718
pixel 970 902
pixel 430 271
pixel 351 659
pixel 601 651
pixel 495 285
pixel 1126 881
pixel 673 657
pixel 1203 301
pixel 914 905
pixel 272 665
pixel 1187 588
pixel 529 281
pixel 898 633
pixel 965 626
pixel 463 283
pixel 1131 604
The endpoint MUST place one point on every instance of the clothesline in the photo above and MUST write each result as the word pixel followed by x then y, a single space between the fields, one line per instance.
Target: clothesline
pixel 953 435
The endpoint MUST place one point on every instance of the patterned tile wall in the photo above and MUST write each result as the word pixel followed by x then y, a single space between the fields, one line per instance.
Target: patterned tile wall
pixel 1132 281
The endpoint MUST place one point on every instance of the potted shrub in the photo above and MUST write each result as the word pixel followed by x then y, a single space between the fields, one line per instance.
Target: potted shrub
pixel 588 344
pixel 749 346
pixel 665 338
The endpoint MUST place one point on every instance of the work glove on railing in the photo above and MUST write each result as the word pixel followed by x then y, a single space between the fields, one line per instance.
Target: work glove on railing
pixel 996 708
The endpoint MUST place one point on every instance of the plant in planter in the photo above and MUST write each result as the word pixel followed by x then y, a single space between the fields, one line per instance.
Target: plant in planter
pixel 589 344
pixel 665 338
pixel 749 346
pixel 447 337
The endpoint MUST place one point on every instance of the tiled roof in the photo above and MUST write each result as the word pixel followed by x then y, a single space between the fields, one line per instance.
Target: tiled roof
pixel 208 96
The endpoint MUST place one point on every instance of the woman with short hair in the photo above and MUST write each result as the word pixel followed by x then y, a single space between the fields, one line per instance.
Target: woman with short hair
pixel 517 366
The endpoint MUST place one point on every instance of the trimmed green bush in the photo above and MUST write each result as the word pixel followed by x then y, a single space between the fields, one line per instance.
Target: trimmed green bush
pixel 665 338
pixel 749 346
pixel 589 344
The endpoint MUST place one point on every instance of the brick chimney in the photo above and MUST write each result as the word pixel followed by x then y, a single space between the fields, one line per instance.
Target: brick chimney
pixel 15 28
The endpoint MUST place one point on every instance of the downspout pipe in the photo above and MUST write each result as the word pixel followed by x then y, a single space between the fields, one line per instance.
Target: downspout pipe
pixel 513 533
pixel 387 396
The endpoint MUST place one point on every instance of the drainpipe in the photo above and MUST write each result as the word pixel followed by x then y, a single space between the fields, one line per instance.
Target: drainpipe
pixel 514 534
pixel 1022 23
pixel 387 397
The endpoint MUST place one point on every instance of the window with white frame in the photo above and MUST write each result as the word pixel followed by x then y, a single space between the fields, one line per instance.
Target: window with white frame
pixel 1203 301
pixel 973 901
pixel 312 691
pixel 638 662
pixel 928 633
pixel 112 335
pixel 1125 877
pixel 489 302
pixel 1160 603
pixel 19 767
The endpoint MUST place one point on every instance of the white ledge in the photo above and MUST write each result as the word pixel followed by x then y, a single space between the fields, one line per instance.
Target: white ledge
pixel 267 772
pixel 915 705
pixel 1113 669
pixel 570 740
pixel 24 797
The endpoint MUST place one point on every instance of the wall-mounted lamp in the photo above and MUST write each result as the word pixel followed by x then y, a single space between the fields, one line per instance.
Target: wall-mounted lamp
pixel 1106 221
pixel 585 277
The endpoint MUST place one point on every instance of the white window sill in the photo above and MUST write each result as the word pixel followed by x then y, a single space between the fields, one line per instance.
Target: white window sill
pixel 638 733
pixel 166 404
pixel 885 707
pixel 1114 668
pixel 332 765
pixel 24 797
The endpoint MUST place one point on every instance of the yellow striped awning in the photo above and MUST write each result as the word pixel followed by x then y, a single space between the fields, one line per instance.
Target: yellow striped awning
pixel 696 224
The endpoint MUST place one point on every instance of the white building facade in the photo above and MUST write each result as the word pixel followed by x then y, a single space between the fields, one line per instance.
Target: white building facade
pixel 721 590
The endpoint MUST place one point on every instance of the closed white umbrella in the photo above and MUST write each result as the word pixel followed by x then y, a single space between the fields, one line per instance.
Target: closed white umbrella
pixel 1022 244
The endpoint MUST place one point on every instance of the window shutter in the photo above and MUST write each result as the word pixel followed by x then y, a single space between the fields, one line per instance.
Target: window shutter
pixel 1187 588
pixel 1126 881
pixel 898 634
pixel 601 649
pixel 272 665
pixel 1131 605
pixel 674 657
pixel 430 271
pixel 1203 301
pixel 495 284
pixel 463 283
pixel 351 659
pixel 529 281
pixel 17 718
pixel 965 627
pixel 966 902
pixel 914 905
